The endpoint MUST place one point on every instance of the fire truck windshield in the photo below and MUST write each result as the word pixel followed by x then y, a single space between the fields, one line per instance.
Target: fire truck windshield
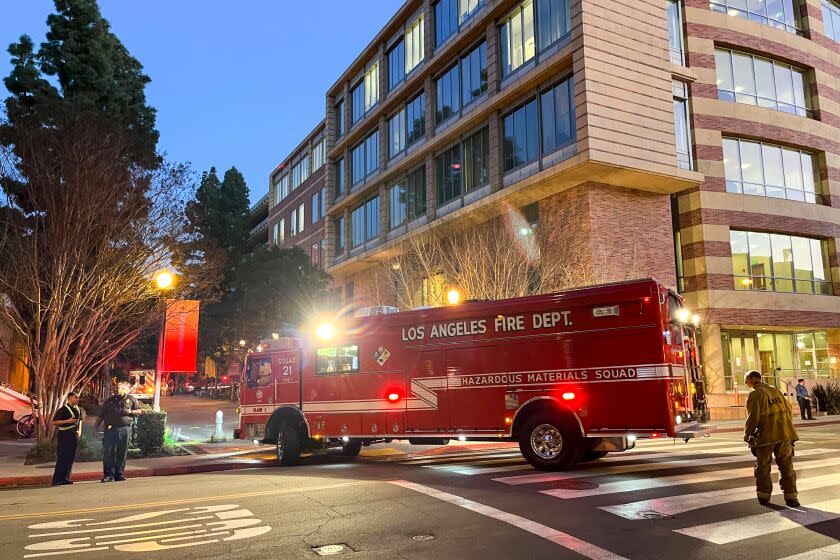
pixel 338 359
pixel 259 372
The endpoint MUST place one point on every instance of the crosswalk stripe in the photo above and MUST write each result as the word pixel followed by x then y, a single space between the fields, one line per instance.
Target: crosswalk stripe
pixel 468 468
pixel 635 468
pixel 674 505
pixel 677 480
pixel 764 524
pixel 831 552
pixel 455 458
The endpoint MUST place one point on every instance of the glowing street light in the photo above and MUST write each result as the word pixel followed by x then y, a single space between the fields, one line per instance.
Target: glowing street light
pixel 454 296
pixel 325 331
pixel 242 342
pixel 164 280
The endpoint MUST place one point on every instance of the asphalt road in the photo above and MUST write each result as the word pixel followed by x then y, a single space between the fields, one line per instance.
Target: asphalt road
pixel 196 416
pixel 660 501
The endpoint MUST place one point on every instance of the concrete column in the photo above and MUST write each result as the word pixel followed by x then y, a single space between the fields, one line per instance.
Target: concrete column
pixel 431 191
pixel 383 213
pixel 428 30
pixel 493 74
pixel 494 166
pixel 429 91
pixel 346 233
pixel 712 358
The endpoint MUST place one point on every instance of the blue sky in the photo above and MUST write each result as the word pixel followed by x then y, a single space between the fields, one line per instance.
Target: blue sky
pixel 233 86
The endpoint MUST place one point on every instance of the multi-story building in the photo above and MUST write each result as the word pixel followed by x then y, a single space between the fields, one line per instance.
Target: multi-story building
pixel 297 198
pixel 697 141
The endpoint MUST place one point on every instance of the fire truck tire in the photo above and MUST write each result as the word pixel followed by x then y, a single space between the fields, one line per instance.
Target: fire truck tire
pixel 352 448
pixel 288 445
pixel 550 442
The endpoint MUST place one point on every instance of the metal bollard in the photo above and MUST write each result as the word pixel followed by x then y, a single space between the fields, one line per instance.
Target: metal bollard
pixel 219 435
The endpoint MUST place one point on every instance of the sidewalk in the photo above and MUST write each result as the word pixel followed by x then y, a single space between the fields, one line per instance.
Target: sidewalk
pixel 206 458
pixel 722 426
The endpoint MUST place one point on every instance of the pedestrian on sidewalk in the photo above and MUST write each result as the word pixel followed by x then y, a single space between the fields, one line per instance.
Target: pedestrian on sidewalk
pixel 118 412
pixel 769 431
pixel 804 400
pixel 68 421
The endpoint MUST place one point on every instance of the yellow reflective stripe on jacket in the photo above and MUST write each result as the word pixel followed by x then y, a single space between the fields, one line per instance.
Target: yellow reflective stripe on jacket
pixel 73 415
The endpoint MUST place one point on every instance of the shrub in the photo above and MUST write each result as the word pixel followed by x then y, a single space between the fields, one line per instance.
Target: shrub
pixel 41 453
pixel 828 396
pixel 150 429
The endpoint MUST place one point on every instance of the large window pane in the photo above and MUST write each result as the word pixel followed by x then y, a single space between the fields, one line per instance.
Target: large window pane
pixel 414 44
pixel 760 81
pixel 554 20
pixel 396 134
pixel 467 8
pixel 760 261
pixel 372 153
pixel 476 155
pixel 415 119
pixel 474 73
pixel 518 38
pixel 802 264
pixel 520 136
pixel 742 70
pixel 397 204
pixel 782 262
pixel 339 119
pixel 723 63
pixel 740 259
pixel 371 82
pixel 732 165
pixel 358 163
pixel 775 13
pixel 449 173
pixel 773 171
pixel 831 19
pixel 339 176
pixel 416 193
pixel 447 95
pixel 339 235
pixel 372 218
pixel 396 65
pixel 764 82
pixel 358 97
pixel 357 222
pixel 675 31
pixel 446 20
pixel 558 115
pixel 769 170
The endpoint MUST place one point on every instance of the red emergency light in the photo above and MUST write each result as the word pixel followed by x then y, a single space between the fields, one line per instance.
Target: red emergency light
pixel 393 397
pixel 568 396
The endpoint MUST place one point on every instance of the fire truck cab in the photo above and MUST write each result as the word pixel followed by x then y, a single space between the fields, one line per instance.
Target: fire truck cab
pixel 570 376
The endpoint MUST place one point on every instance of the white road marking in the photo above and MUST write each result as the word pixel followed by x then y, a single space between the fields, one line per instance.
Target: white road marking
pixel 186 526
pixel 674 505
pixel 636 484
pixel 765 524
pixel 565 540
pixel 637 468
pixel 831 552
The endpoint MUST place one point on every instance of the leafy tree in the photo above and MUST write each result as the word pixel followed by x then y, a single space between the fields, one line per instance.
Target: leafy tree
pixel 272 289
pixel 215 234
pixel 88 202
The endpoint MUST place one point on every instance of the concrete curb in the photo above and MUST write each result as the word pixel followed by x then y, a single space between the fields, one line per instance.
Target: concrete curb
pixel 798 426
pixel 43 480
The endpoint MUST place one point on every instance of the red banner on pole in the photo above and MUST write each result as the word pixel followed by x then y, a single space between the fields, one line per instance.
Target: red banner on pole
pixel 180 339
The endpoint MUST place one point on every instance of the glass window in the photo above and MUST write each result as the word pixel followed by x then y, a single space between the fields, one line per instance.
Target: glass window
pixel 520 136
pixel 339 235
pixel 300 172
pixel 517 37
pixel 339 119
pixel 476 159
pixel 446 20
pixel 474 73
pixel 276 233
pixel 281 230
pixel 415 119
pixel 558 115
pixel 415 185
pixel 777 262
pixel 466 8
pixel 396 134
pixel 301 217
pixel 357 156
pixel 682 126
pixel 372 153
pixel 447 101
pixel 396 65
pixel 396 204
pixel 745 78
pixel 323 202
pixel 317 156
pixel 775 13
pixel 554 21
pixel 278 191
pixel 768 170
pixel 449 175
pixel 293 223
pixel 372 218
pixel 316 206
pixel 341 359
pixel 357 225
pixel 414 44
pixel 339 176
pixel 315 255
pixel 831 19
pixel 371 81
pixel 676 41
pixel 358 97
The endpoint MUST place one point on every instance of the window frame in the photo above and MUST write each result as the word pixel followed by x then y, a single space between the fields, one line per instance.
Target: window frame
pixel 323 371
pixel 831 9
pixel 409 139
pixel 677 53
pixel 459 149
pixel 363 210
pixel 339 119
pixel 461 18
pixel 730 8
pixel 685 158
pixel 339 236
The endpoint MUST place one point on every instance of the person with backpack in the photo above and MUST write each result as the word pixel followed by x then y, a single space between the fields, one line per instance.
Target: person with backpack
pixel 118 412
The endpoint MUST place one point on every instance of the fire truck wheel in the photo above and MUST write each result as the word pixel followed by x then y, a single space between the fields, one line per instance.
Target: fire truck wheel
pixel 288 445
pixel 549 442
pixel 351 448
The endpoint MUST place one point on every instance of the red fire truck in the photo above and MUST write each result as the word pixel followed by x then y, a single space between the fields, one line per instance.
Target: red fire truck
pixel 570 376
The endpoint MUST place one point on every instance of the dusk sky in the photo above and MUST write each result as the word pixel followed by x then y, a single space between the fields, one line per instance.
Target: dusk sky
pixel 232 85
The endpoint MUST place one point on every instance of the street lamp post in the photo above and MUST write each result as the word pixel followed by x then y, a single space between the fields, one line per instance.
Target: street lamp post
pixel 164 282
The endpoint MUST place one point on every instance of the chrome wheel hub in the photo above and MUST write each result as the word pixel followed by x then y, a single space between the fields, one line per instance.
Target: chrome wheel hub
pixel 546 441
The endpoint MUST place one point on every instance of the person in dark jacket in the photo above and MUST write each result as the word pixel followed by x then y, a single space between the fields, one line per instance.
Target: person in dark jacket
pixel 118 412
pixel 68 423
pixel 804 401
pixel 769 431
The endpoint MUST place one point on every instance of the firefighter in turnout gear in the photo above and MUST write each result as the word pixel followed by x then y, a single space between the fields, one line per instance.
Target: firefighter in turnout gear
pixel 68 422
pixel 769 431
